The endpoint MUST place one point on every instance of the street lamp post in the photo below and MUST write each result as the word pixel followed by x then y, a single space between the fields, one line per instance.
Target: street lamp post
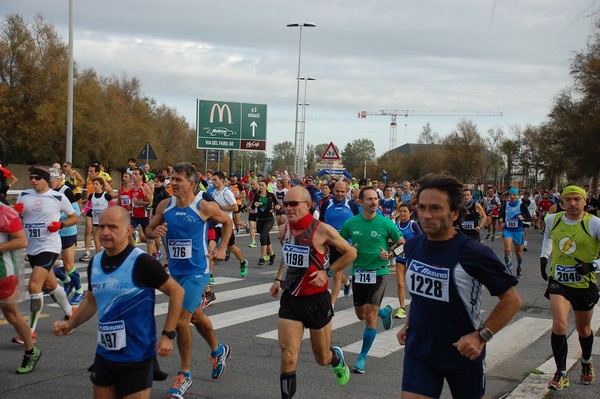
pixel 297 149
pixel 302 134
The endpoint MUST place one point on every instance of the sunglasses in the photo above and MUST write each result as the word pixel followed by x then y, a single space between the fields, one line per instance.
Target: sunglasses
pixel 293 204
pixel 35 177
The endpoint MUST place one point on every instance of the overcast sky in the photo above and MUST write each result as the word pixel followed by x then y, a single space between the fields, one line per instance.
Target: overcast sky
pixel 509 56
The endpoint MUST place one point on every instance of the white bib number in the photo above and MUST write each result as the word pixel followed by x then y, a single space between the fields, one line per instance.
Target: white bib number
pixel 428 281
pixel 296 256
pixel 566 274
pixel 180 249
pixel 112 335
pixel 468 225
pixel 513 224
pixel 36 230
pixel 125 200
pixel 365 276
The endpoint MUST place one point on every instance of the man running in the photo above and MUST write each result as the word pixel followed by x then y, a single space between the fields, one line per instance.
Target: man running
pixel 370 234
pixel 513 214
pixel 41 208
pixel 183 221
pixel 446 273
pixel 572 238
pixel 301 282
pixel 122 283
pixel 475 216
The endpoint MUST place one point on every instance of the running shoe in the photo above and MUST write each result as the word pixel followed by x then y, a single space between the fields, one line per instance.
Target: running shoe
pixel 19 340
pixel 400 314
pixel 271 259
pixel 181 383
pixel 587 373
pixel 244 268
pixel 359 366
pixel 559 382
pixel 227 254
pixel 519 272
pixel 347 288
pixel 157 255
pixel 524 249
pixel 76 298
pixel 493 238
pixel 136 237
pixel 262 262
pixel 211 281
pixel 341 371
pixel 218 361
pixel 487 236
pixel 29 361
pixel 85 258
pixel 252 244
pixel 208 298
pixel 387 318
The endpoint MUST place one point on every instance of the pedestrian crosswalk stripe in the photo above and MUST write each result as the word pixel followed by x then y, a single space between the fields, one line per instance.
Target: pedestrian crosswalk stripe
pixel 514 338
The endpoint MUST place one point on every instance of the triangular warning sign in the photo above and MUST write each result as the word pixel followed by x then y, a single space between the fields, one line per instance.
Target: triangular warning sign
pixel 147 153
pixel 331 153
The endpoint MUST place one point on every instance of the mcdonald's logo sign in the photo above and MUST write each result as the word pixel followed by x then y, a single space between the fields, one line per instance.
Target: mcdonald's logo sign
pixel 221 110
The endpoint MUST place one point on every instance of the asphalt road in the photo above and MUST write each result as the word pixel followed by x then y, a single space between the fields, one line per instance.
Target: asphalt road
pixel 245 317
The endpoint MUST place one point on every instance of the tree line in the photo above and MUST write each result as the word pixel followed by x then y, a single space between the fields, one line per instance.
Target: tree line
pixel 113 120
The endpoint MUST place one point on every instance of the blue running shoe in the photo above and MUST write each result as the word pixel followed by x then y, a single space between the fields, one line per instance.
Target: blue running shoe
pixel 386 317
pixel 218 361
pixel 76 298
pixel 359 366
pixel 347 288
pixel 181 383
pixel 341 371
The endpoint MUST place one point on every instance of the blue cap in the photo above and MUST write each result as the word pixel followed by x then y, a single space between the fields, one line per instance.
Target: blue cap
pixel 513 190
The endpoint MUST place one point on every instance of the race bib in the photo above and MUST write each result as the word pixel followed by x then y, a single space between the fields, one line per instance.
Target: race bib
pixel 468 225
pixel 365 276
pixel 428 281
pixel 112 336
pixel 125 200
pixel 180 249
pixel 489 208
pixel 36 230
pixel 566 274
pixel 513 224
pixel 96 216
pixel 296 256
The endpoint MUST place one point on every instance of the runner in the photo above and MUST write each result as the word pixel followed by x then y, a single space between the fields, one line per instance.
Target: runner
pixel 301 282
pixel 370 234
pixel 183 221
pixel 475 216
pixel 512 215
pixel 572 238
pixel 41 208
pixel 127 344
pixel 444 336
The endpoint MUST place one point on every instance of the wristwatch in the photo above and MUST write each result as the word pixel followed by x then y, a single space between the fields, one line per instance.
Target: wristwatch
pixel 486 334
pixel 169 334
pixel 330 272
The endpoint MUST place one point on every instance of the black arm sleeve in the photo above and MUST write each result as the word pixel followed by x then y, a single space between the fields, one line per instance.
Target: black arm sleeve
pixel 70 195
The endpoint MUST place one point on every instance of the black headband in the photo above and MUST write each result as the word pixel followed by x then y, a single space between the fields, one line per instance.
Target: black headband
pixel 44 174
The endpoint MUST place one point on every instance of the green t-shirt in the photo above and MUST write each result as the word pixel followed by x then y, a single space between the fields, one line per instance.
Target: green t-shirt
pixel 368 236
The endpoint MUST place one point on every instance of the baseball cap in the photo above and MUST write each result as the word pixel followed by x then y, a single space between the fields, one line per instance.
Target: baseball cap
pixel 54 173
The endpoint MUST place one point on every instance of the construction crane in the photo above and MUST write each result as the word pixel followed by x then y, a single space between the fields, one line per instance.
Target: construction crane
pixel 424 112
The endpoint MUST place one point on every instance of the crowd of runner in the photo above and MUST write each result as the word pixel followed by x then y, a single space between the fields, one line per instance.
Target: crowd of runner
pixel 191 218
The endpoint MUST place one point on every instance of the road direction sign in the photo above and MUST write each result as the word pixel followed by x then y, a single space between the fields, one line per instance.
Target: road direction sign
pixel 231 125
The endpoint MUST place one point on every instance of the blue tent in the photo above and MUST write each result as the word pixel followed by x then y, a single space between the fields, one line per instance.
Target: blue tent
pixel 334 172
